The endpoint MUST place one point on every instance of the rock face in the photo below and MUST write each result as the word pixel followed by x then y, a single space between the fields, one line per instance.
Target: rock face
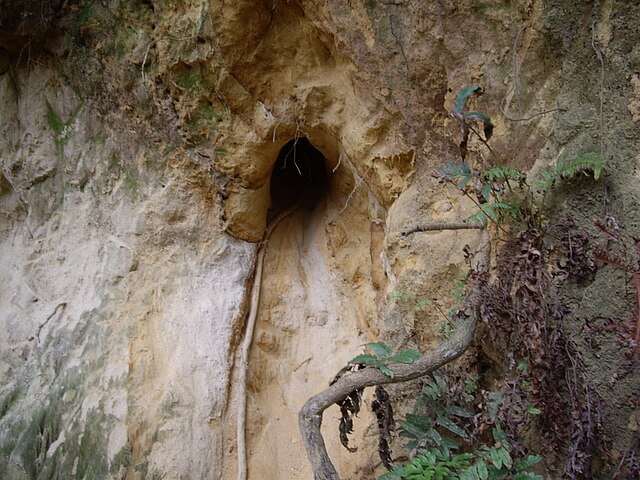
pixel 137 145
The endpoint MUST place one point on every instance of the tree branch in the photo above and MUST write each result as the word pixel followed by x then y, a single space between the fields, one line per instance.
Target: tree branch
pixel 435 227
pixel 310 416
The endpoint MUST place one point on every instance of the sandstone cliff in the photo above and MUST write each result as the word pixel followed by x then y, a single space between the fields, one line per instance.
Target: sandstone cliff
pixel 138 152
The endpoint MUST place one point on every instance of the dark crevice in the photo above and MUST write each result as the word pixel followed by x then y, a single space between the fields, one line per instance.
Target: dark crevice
pixel 299 174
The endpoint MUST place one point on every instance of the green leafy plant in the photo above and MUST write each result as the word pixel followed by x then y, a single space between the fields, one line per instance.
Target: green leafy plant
pixel 382 356
pixel 493 461
pixel 503 192
pixel 442 418
pixel 565 169
pixel 440 422
pixel 489 188
pixel 466 119
pixel 495 188
pixel 431 464
pixel 435 418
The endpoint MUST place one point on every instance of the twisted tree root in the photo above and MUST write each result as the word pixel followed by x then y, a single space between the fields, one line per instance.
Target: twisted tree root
pixel 310 416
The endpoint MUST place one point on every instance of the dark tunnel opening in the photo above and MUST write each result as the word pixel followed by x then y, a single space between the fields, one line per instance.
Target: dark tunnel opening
pixel 299 174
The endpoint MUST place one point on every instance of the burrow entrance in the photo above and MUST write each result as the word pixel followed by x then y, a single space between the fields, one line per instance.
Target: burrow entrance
pixel 299 175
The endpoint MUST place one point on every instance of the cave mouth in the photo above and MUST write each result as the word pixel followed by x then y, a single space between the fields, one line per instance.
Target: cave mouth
pixel 299 174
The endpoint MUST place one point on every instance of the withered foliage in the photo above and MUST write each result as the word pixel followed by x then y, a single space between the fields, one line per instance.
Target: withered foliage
pixel 574 261
pixel 623 253
pixel 587 412
pixel 523 314
pixel 381 406
pixel 521 305
pixel 524 319
pixel 545 396
pixel 349 408
pixel 629 466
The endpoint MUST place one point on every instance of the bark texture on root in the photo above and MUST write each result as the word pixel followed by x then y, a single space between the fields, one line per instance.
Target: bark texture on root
pixel 310 416
pixel 438 227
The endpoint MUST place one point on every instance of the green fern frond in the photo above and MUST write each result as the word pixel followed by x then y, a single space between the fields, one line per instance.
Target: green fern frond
pixel 479 218
pixel 548 179
pixel 502 173
pixel 380 349
pixel 592 162
pixel 495 212
pixel 460 172
pixel 453 170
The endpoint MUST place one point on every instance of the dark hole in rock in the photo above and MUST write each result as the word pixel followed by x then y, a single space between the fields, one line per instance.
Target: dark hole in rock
pixel 299 174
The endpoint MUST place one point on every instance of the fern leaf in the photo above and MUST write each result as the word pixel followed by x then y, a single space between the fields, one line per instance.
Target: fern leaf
pixel 505 208
pixel 386 370
pixel 588 162
pixel 460 171
pixel 548 179
pixel 441 382
pixel 480 219
pixel 452 427
pixel 528 476
pixel 432 391
pixel 364 359
pixel 486 192
pixel 404 356
pixel 380 349
pixel 434 436
pixel 459 412
pixel 490 211
pixel 523 463
pixel 454 170
pixel 502 173
pixel 493 211
pixel 418 428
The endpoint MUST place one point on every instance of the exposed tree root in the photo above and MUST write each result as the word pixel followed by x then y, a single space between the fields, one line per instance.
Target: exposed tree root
pixel 310 416
pixel 248 340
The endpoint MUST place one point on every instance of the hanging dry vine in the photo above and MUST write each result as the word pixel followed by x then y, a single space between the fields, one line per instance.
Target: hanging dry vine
pixel 349 408
pixel 381 406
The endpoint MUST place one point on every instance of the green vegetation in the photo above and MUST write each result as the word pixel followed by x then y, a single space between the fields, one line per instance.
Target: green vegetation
pixel 447 429
pixel 382 356
pixel 502 193
pixel 489 462
pixel 468 121
pixel 437 426
pixel 435 410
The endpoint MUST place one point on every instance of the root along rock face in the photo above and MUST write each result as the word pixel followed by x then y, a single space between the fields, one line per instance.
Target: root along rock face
pixel 298 320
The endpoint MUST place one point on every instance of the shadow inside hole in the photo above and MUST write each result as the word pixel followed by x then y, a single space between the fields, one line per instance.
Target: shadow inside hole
pixel 299 174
